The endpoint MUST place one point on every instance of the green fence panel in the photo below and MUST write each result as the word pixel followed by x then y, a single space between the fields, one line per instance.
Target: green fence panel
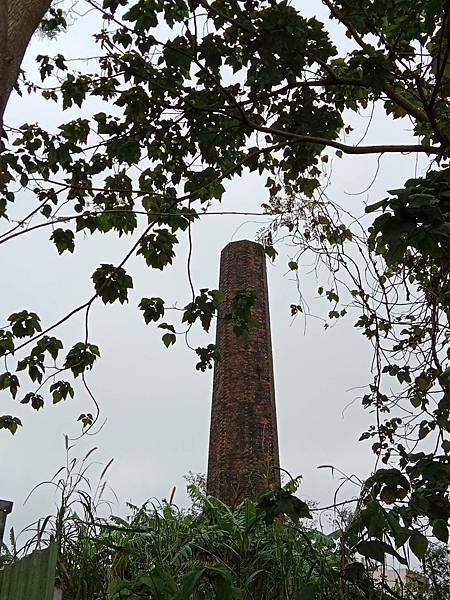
pixel 32 577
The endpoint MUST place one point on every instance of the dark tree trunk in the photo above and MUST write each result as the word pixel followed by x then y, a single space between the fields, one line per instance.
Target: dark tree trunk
pixel 18 21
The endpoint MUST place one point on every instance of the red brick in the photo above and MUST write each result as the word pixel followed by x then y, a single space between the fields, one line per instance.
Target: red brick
pixel 243 446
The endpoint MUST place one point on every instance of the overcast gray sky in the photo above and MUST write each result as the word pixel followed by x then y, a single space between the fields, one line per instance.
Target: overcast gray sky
pixel 156 405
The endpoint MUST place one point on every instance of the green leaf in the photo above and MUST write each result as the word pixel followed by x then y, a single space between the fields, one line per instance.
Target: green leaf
pixel 116 585
pixel 127 151
pixel 10 423
pixel 377 205
pixel 112 283
pixel 24 323
pixel 9 381
pixel 152 308
pixel 203 307
pixel 36 400
pixel 222 583
pixel 46 210
pixel 282 501
pixel 208 356
pixel 158 248
pixel 440 530
pixel 63 240
pixel 377 550
pixel 418 544
pixel 416 401
pixel 53 22
pixel 159 583
pixel 6 342
pixel 60 390
pixel 74 90
pixel 189 582
pixel 240 315
pixel 47 344
pixel 81 357
pixel 295 309
pixel 86 419
pixel 35 365
pixel 169 339
pixel 270 252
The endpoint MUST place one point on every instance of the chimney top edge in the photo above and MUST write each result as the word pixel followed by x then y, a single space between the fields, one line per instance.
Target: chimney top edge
pixel 242 243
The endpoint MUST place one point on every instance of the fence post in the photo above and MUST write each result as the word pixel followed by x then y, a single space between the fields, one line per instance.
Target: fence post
pixel 5 508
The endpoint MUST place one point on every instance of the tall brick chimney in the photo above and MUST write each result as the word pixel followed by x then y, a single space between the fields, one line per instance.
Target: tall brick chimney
pixel 243 444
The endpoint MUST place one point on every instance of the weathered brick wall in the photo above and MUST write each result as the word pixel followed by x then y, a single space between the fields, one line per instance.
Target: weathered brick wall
pixel 243 445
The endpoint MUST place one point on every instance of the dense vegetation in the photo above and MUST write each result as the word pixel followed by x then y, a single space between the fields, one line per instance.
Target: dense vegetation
pixel 271 549
pixel 194 93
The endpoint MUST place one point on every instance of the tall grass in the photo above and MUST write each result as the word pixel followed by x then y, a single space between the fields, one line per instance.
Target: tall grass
pixel 208 551
pixel 163 552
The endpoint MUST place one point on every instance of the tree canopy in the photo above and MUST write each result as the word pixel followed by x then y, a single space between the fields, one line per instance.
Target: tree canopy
pixel 197 92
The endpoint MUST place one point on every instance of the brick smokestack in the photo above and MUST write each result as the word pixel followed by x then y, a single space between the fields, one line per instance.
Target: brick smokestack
pixel 243 446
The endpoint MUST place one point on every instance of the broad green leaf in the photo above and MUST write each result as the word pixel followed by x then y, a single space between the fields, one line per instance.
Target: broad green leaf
pixel 377 550
pixel 418 544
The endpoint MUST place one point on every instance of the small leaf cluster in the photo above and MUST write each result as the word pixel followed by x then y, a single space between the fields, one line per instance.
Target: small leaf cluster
pixel 281 501
pixel 377 530
pixel 112 283
pixel 203 308
pixel 208 356
pixel 157 248
pixel 152 309
pixel 81 357
pixel 240 315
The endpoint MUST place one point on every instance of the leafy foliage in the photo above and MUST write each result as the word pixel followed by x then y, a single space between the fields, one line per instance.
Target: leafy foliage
pixel 112 283
pixel 206 551
pixel 10 423
pixel 152 308
pixel 157 248
pixel 196 93
pixel 282 501
pixel 203 307
pixel 24 324
pixel 208 356
pixel 240 315
pixel 225 87
pixel 63 240
pixel 81 357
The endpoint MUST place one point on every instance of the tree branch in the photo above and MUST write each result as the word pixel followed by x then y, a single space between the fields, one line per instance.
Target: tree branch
pixel 395 96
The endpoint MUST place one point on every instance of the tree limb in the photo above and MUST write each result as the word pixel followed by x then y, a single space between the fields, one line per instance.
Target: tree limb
pixel 18 21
